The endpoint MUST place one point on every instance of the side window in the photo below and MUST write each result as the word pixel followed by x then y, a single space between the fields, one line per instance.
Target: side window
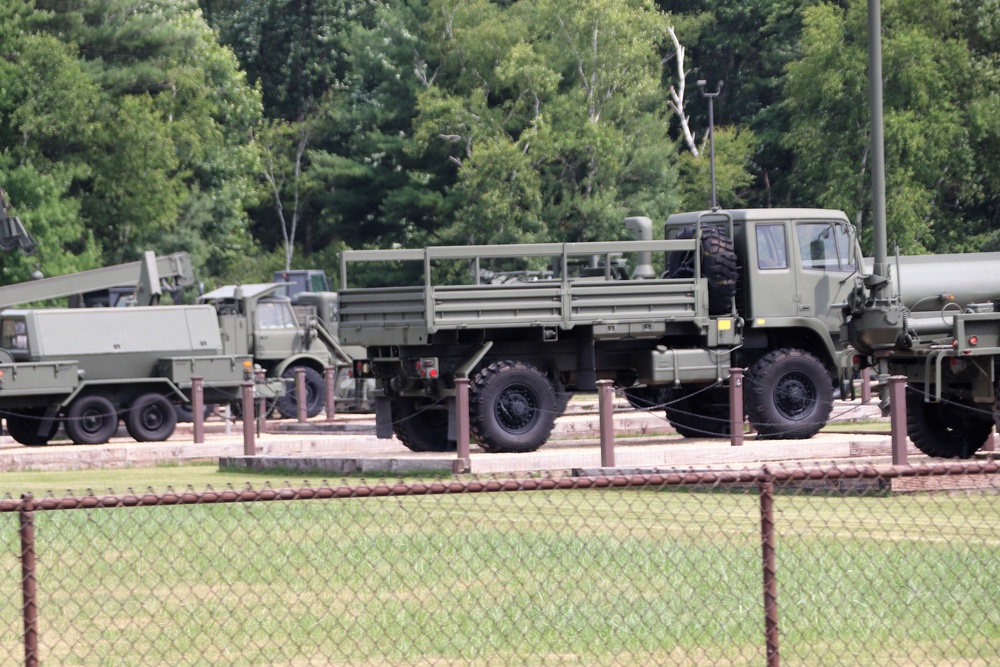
pixel 817 246
pixel 275 315
pixel 772 252
pixel 14 335
pixel 824 246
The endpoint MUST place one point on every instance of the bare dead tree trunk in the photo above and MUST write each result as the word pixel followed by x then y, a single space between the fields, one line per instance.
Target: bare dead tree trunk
pixel 676 101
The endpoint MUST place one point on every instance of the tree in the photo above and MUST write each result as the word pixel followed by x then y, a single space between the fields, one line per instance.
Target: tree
pixel 930 172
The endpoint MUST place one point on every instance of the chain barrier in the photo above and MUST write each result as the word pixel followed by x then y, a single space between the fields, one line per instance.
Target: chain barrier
pixel 860 567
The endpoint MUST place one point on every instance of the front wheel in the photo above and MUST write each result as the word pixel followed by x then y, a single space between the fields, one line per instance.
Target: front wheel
pixel 91 420
pixel 512 407
pixel 788 394
pixel 152 418
pixel 288 405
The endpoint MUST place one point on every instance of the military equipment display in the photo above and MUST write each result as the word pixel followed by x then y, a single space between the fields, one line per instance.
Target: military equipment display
pixel 746 288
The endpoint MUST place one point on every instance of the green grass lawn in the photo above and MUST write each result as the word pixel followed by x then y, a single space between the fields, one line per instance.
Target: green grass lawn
pixel 586 577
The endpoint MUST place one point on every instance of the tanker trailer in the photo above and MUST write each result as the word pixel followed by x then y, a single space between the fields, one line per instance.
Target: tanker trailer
pixel 89 368
pixel 941 330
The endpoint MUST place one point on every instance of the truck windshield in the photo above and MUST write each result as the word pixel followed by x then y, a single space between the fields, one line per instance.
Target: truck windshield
pixel 824 246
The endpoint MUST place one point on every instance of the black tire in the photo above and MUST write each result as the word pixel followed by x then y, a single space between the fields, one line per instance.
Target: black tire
pixel 23 427
pixel 946 430
pixel 288 406
pixel 421 426
pixel 151 418
pixel 91 420
pixel 719 264
pixel 788 394
pixel 646 397
pixel 185 413
pixel 699 414
pixel 512 407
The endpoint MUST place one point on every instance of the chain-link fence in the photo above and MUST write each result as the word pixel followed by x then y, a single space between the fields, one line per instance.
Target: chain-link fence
pixel 829 566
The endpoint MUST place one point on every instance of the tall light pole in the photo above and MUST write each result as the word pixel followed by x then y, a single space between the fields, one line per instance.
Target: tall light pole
pixel 711 129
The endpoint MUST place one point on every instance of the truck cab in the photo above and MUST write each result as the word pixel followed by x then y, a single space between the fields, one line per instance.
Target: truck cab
pixel 794 271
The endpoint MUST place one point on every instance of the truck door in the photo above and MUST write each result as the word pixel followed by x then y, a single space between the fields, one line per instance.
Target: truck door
pixel 770 281
pixel 822 250
pixel 278 333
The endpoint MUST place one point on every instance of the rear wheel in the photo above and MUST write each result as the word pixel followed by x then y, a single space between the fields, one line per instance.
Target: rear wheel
pixel 699 414
pixel 512 407
pixel 421 426
pixel 91 420
pixel 25 427
pixel 152 418
pixel 948 429
pixel 788 394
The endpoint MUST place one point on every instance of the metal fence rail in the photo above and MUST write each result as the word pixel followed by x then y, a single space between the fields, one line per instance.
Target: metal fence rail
pixel 819 566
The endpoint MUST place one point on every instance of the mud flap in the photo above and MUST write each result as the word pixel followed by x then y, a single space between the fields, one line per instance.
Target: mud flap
pixel 383 418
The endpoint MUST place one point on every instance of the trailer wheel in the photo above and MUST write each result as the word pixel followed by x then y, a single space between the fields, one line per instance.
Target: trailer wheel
pixel 91 420
pixel 512 407
pixel 421 427
pixel 152 418
pixel 699 414
pixel 185 412
pixel 788 394
pixel 23 427
pixel 288 405
pixel 946 430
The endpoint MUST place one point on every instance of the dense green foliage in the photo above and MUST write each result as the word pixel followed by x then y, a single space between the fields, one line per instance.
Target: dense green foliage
pixel 275 132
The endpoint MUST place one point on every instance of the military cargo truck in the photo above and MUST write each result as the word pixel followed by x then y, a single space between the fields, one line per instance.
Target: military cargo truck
pixel 746 288
pixel 89 368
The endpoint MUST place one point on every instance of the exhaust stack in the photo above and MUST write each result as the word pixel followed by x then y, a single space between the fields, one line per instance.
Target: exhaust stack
pixel 642 227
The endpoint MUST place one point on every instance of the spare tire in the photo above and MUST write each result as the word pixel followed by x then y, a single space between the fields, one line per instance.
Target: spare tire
pixel 718 264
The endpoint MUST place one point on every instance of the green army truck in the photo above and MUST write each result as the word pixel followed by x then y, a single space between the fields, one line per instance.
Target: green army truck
pixel 87 369
pixel 757 289
pixel 284 335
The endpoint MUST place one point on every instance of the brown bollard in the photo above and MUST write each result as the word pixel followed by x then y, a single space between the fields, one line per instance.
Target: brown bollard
pixel 198 408
pixel 300 394
pixel 736 407
pixel 260 375
pixel 866 387
pixel 249 445
pixel 606 409
pixel 330 375
pixel 897 419
pixel 464 461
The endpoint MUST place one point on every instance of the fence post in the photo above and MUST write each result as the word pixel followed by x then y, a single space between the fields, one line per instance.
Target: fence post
pixel 28 581
pixel 606 409
pixel 198 408
pixel 866 386
pixel 897 419
pixel 736 407
pixel 770 564
pixel 249 446
pixel 330 375
pixel 464 461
